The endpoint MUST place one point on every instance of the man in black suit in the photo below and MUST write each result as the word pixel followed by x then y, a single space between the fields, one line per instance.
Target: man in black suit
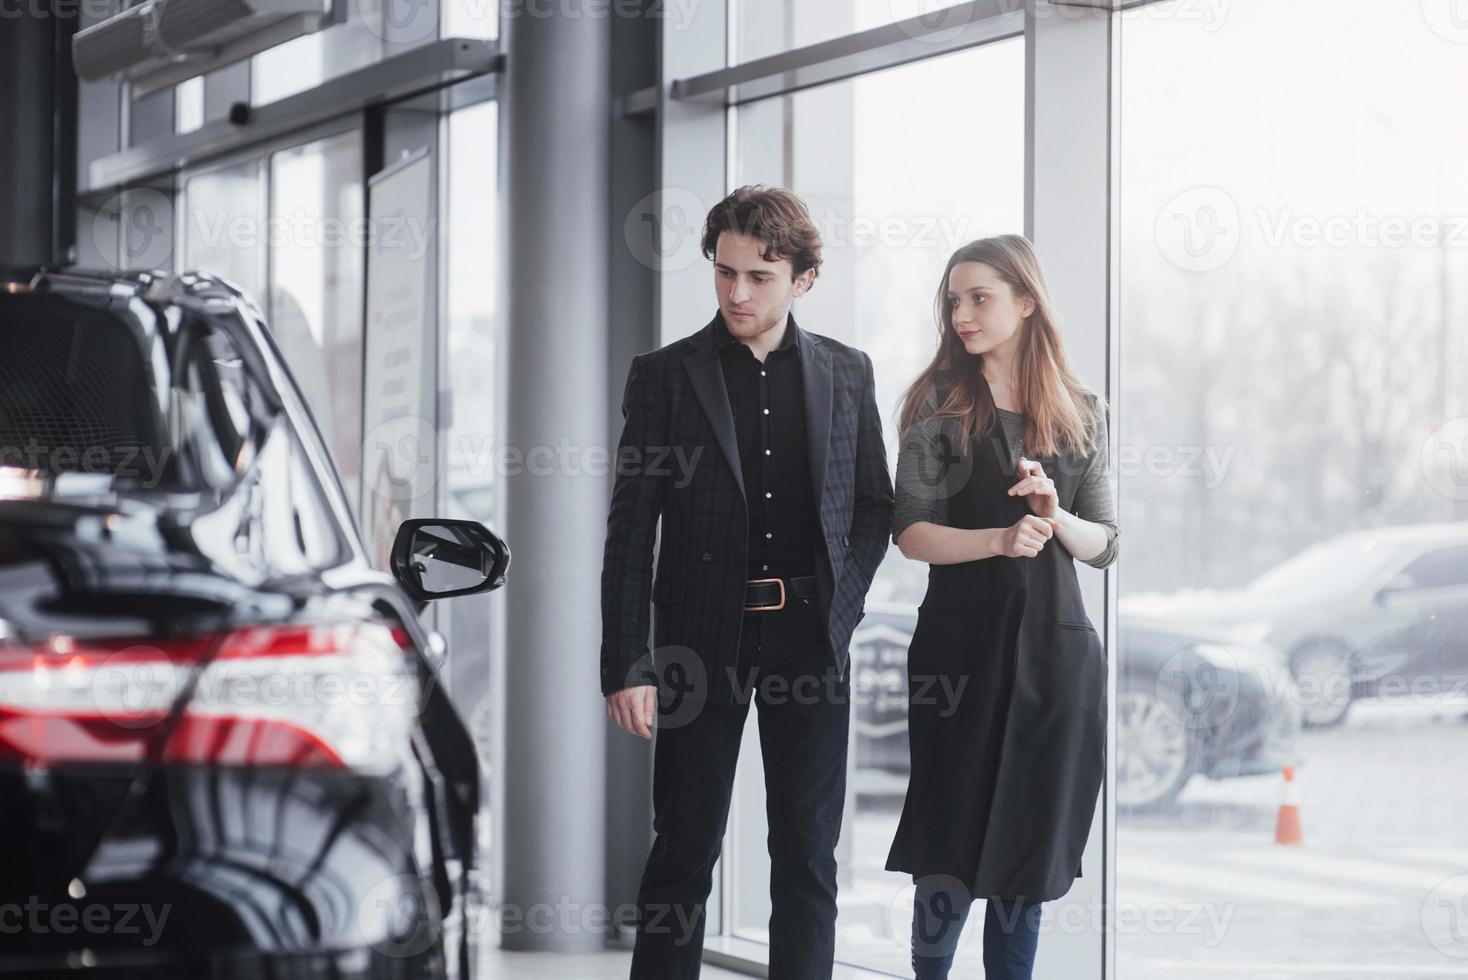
pixel 759 446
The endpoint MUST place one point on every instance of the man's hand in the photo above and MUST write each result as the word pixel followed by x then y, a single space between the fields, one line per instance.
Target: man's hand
pixel 633 708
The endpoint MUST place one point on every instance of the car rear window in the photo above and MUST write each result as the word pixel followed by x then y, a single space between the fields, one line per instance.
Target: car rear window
pixel 77 394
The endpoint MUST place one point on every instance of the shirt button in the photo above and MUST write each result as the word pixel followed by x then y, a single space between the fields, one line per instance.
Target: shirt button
pixel 769 534
pixel 762 374
pixel 768 495
pixel 767 452
pixel 708 556
pixel 764 568
pixel 767 411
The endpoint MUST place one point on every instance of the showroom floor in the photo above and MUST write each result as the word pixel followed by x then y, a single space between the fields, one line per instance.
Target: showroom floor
pixel 589 966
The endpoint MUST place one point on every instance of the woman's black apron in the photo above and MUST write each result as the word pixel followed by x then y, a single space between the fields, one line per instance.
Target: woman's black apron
pixel 1007 699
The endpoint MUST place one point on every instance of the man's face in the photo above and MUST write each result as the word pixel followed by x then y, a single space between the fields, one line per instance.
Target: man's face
pixel 754 293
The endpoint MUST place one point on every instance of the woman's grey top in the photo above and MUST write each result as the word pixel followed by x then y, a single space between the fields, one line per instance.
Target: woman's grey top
pixel 923 499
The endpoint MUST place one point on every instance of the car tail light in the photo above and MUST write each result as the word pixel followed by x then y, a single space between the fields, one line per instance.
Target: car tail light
pixel 336 696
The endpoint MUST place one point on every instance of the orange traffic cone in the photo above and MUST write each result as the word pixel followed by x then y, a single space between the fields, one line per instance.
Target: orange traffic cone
pixel 1287 825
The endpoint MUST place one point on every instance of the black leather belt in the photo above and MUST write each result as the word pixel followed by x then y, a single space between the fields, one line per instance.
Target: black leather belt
pixel 769 594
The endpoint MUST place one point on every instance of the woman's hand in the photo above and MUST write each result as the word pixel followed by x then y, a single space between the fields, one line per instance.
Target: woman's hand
pixel 1037 489
pixel 1026 536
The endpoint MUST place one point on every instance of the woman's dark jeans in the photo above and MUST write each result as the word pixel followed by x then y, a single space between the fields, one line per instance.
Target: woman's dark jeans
pixel 939 910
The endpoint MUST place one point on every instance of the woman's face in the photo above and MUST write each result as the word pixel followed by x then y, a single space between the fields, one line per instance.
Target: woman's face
pixel 985 312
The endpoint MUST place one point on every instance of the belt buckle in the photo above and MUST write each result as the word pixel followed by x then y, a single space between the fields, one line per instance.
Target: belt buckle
pixel 765 581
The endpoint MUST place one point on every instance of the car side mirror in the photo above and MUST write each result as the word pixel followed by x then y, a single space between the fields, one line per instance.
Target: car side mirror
pixel 435 558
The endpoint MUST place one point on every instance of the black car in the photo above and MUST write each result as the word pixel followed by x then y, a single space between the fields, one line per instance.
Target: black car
pixel 223 749
pixel 1186 705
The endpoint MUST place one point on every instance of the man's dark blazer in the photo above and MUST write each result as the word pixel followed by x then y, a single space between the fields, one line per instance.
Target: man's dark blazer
pixel 678 459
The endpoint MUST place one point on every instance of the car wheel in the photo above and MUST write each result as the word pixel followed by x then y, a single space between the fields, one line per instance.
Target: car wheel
pixel 1322 673
pixel 1155 754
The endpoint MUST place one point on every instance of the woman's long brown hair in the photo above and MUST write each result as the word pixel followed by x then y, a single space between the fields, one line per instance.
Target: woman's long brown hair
pixel 1058 408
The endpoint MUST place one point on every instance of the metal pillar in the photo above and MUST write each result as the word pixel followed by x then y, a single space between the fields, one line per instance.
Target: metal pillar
pixel 556 109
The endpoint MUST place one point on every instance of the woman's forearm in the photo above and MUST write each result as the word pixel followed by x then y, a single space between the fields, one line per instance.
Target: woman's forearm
pixel 1082 538
pixel 939 545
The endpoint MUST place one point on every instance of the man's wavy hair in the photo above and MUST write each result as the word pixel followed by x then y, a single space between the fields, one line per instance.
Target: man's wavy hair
pixel 776 217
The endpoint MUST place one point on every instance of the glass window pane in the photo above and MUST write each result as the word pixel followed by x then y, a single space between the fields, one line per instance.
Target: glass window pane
pixel 1291 439
pixel 898 170
pixel 766 27
pixel 316 280
pixel 223 224
pixel 309 60
pixel 471 18
pixel 474 625
pixel 188 111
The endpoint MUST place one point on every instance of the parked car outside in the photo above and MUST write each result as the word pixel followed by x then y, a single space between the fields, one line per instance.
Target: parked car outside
pixel 1187 705
pixel 1371 613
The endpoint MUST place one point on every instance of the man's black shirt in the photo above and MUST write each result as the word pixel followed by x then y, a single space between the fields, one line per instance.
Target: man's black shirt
pixel 768 402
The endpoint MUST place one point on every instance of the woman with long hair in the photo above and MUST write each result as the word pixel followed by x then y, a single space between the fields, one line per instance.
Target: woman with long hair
pixel 1001 483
